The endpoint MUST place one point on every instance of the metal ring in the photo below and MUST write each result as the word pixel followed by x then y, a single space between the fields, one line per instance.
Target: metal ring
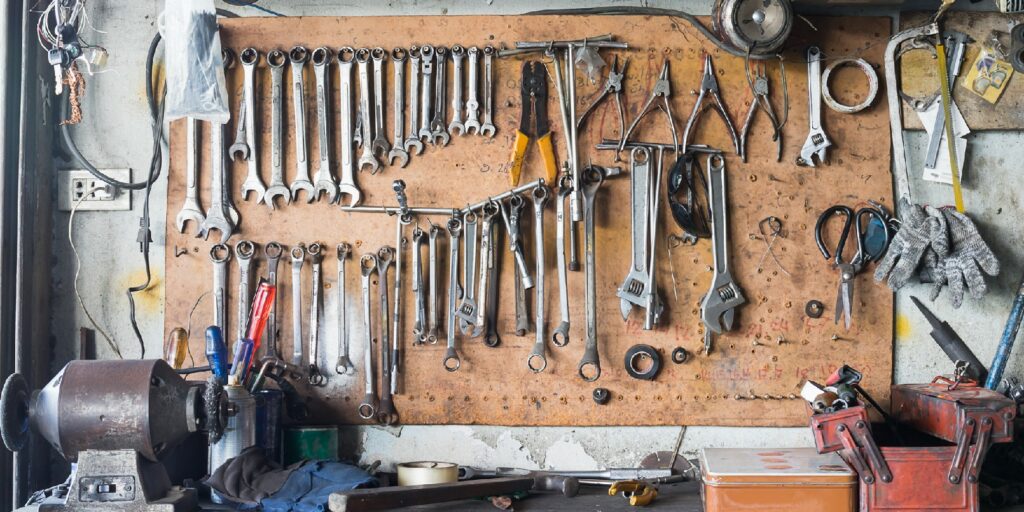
pixel 346 54
pixel 602 396
pixel 218 248
pixel 273 250
pixel 298 55
pixel 638 352
pixel 543 361
pixel 680 355
pixel 814 309
pixel 245 249
pixel 321 56
pixel 276 58
pixel 869 71
pixel 249 56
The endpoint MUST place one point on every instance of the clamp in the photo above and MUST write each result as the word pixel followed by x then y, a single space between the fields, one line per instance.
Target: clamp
pixel 709 87
pixel 534 92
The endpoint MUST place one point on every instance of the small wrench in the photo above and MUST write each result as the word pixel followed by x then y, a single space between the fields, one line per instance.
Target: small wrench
pixel 344 365
pixel 220 254
pixel 244 251
pixel 221 216
pixel 486 263
pixel 487 129
pixel 346 182
pixel 324 179
pixel 426 96
pixel 817 142
pixel 434 310
pixel 472 102
pixel 298 255
pixel 451 356
pixel 466 311
pixel 277 188
pixel 386 414
pixel 512 217
pixel 316 378
pixel 540 196
pixel 592 180
pixel 298 57
pixel 413 142
pixel 253 183
pixel 368 409
pixel 455 126
pixel 398 57
pixel 560 336
pixel 419 327
pixel 438 130
pixel 379 144
pixel 191 211
pixel 272 251
pixel 366 157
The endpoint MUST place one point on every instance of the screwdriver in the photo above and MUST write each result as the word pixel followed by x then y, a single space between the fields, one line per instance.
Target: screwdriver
pixel 176 348
pixel 262 303
pixel 216 353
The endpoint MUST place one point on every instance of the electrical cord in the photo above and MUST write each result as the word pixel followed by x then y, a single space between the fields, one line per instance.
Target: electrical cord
pixel 78 268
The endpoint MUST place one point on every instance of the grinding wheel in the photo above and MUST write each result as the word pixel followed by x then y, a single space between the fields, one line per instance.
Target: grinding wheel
pixel 14 412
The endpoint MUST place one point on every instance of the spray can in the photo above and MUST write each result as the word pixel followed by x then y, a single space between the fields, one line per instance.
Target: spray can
pixel 239 434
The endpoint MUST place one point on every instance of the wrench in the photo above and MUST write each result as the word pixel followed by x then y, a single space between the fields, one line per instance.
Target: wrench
pixel 221 216
pixel 398 57
pixel 633 287
pixel 540 196
pixel 432 319
pixel 413 142
pixel 472 103
pixel 366 157
pixel 324 179
pixel 817 142
pixel 560 336
pixel 386 414
pixel 455 126
pixel 277 188
pixel 420 325
pixel 466 311
pixel 368 409
pixel 347 183
pixel 592 180
pixel 486 263
pixel 653 304
pixel 298 57
pixel 244 251
pixel 718 309
pixel 316 378
pixel 344 365
pixel 487 129
pixel 272 251
pixel 379 145
pixel 191 211
pixel 396 317
pixel 221 255
pixel 491 338
pixel 511 218
pixel 426 112
pixel 451 356
pixel 250 59
pixel 298 255
pixel 438 130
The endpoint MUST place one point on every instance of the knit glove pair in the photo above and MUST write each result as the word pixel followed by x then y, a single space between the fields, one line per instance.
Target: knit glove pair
pixel 969 256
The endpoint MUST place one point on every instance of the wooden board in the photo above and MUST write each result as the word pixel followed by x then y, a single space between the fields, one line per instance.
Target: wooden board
pixel 494 385
pixel 918 71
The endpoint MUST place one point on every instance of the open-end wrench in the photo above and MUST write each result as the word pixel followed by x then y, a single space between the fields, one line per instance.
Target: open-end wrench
pixel 344 365
pixel 396 316
pixel 368 408
pixel 817 142
pixel 466 311
pixel 426 93
pixel 472 101
pixel 276 188
pixel 366 156
pixel 386 414
pixel 633 287
pixel 190 210
pixel 272 251
pixel 560 336
pixel 379 145
pixel 438 128
pixel 316 257
pixel 455 126
pixel 419 326
pixel 487 129
pixel 300 182
pixel 253 183
pixel 589 368
pixel 220 254
pixel 298 255
pixel 398 58
pixel 357 129
pixel 490 211
pixel 489 302
pixel 718 309
pixel 451 356
pixel 346 181
pixel 228 57
pixel 239 148
pixel 540 196
pixel 324 179
pixel 219 216
pixel 244 251
pixel 412 142
pixel 434 310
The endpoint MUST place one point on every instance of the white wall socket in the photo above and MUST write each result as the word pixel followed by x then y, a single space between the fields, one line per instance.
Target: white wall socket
pixel 73 184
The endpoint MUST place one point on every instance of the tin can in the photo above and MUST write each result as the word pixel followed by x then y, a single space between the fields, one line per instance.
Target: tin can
pixel 268 422
pixel 310 443
pixel 239 433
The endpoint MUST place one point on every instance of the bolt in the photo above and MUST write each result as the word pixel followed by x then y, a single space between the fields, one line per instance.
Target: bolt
pixel 780 340
pixel 755 343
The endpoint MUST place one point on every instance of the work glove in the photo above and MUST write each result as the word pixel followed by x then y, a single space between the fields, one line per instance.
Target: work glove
pixel 939 248
pixel 960 269
pixel 918 231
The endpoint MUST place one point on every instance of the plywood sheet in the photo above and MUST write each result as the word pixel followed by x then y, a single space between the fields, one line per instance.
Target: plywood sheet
pixel 494 385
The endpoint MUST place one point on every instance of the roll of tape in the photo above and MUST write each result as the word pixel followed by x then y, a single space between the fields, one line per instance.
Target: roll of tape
pixel 427 472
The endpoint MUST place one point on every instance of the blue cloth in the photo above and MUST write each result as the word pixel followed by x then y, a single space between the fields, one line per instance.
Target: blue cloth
pixel 308 488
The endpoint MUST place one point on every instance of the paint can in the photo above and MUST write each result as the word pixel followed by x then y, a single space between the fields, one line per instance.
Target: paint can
pixel 310 443
pixel 268 422
pixel 239 433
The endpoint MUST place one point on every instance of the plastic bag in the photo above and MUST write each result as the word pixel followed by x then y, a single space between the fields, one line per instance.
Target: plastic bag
pixel 195 67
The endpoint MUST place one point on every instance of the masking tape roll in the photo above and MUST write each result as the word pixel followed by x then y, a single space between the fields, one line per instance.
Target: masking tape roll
pixel 426 472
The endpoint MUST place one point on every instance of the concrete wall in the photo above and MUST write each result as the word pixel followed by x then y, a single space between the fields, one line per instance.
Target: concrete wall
pixel 115 133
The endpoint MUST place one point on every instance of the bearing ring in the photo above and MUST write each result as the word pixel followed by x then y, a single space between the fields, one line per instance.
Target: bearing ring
pixel 869 71
pixel 680 355
pixel 814 309
pixel 635 354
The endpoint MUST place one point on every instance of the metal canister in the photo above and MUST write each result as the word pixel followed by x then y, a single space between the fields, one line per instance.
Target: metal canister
pixel 268 422
pixel 239 434
pixel 310 443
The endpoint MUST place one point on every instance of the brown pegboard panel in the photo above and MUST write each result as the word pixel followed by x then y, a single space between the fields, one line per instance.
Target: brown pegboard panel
pixel 494 385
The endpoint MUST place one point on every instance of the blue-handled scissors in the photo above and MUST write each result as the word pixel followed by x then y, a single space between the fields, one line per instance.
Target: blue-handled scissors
pixel 848 269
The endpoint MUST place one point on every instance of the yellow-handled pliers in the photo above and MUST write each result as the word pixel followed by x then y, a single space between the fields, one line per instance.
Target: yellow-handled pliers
pixel 534 122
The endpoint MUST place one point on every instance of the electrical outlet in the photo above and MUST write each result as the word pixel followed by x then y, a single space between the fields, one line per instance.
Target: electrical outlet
pixel 73 185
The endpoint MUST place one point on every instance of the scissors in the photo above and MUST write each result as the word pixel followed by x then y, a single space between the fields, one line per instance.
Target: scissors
pixel 848 269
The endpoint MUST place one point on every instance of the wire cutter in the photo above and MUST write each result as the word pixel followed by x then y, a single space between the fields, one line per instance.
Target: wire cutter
pixel 848 269
pixel 761 100
pixel 709 87
pixel 534 93
pixel 662 89
pixel 612 86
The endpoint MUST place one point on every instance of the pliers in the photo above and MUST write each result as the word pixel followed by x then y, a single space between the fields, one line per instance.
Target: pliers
pixel 662 89
pixel 761 100
pixel 709 86
pixel 534 93
pixel 612 86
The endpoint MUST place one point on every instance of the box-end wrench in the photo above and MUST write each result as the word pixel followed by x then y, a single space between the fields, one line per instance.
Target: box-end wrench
pixel 244 251
pixel 487 129
pixel 456 127
pixel 438 128
pixel 190 210
pixel 491 338
pixel 253 183
pixel 817 142
pixel 632 290
pixel 220 254
pixel 419 326
pixel 433 327
pixel 412 143
pixel 346 181
pixel 560 336
pixel 398 58
pixel 344 365
pixel 490 211
pixel 538 360
pixel 472 101
pixel 276 188
pixel 298 255
pixel 324 179
pixel 273 252
pixel 219 216
pixel 386 414
pixel 379 145
pixel 426 93
pixel 466 312
pixel 366 157
pixel 316 257
pixel 396 314
pixel 589 368
pixel 367 409
pixel 300 182
pixel 718 309
pixel 451 356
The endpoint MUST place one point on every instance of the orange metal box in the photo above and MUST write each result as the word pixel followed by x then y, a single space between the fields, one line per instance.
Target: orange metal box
pixel 776 480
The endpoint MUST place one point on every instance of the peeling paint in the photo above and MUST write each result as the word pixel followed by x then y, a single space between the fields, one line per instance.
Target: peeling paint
pixel 903 327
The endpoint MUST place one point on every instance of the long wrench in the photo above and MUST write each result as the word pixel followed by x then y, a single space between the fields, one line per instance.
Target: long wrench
pixel 316 257
pixel 366 157
pixel 653 304
pixel 398 58
pixel 491 338
pixel 298 255
pixel 633 287
pixel 344 365
pixel 346 182
pixel 244 251
pixel 220 254
pixel 487 129
pixel 451 356
pixel 300 182
pixel 455 126
pixel 221 216
pixel 472 101
pixel 817 142
pixel 190 210
pixel 486 263
pixel 426 94
pixel 438 129
pixel 324 179
pixel 368 408
pixel 540 196
pixel 379 145
pixel 419 326
pixel 253 183
pixel 272 251
pixel 589 368
pixel 396 316
pixel 466 311
pixel 386 414
pixel 276 188
pixel 412 142
pixel 434 308
pixel 560 336
pixel 718 309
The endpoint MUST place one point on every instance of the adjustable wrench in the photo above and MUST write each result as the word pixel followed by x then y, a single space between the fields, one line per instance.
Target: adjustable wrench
pixel 466 311
pixel 276 188
pixel 718 309
pixel 589 368
pixel 451 356
pixel 316 378
pixel 540 196
pixel 250 59
pixel 438 129
pixel 398 57
pixel 386 414
pixel 221 216
pixel 817 142
pixel 298 255
pixel 487 129
pixel 324 179
pixel 633 287
pixel 486 263
pixel 560 336
pixel 420 325
pixel 412 142
pixel 379 145
pixel 298 57
pixel 455 126
pixel 366 157
pixel 434 311
pixel 191 211
pixel 244 251
pixel 472 102
pixel 344 365
pixel 426 95
pixel 368 409
pixel 220 254
pixel 346 182
pixel 272 251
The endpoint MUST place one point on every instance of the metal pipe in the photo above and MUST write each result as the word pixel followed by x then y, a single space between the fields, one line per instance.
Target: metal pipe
pixel 534 46
pixel 575 204
pixel 506 194
pixel 395 210
pixel 608 144
pixel 1002 356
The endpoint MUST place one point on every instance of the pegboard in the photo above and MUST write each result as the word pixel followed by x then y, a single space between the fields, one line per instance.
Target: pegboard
pixel 748 378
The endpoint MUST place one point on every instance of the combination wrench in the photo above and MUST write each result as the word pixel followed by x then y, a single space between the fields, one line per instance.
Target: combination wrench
pixel 456 127
pixel 368 409
pixel 472 124
pixel 560 336
pixel 220 254
pixel 366 156
pixel 438 128
pixel 398 58
pixel 273 252
pixel 466 312
pixel 540 196
pixel 220 157
pixel 300 182
pixel 298 255
pixel 487 129
pixel 490 211
pixel 386 414
pixel 419 326
pixel 451 356
pixel 324 179
pixel 276 188
pixel 491 338
pixel 244 251
pixel 379 144
pixel 344 365
pixel 396 317
pixel 412 142
pixel 346 181
pixel 817 142
pixel 190 210
pixel 523 281
pixel 221 215
pixel 433 312
pixel 718 309
pixel 253 183
pixel 316 257
pixel 426 94
pixel 589 368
